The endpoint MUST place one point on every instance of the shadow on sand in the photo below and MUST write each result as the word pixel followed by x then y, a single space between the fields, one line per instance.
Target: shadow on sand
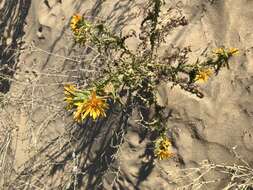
pixel 12 20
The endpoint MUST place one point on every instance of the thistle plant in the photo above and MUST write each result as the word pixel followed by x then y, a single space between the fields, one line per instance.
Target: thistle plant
pixel 131 79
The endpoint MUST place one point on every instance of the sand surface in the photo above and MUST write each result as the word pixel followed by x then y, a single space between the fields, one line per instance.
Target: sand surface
pixel 201 129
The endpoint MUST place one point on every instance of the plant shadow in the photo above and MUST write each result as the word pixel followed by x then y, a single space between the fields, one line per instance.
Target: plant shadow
pixel 94 143
pixel 13 14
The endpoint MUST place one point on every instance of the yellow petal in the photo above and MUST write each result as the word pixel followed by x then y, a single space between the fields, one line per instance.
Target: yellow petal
pixel 86 113
pixel 94 115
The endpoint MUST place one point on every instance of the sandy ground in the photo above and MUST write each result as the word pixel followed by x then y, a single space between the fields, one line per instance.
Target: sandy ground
pixel 201 129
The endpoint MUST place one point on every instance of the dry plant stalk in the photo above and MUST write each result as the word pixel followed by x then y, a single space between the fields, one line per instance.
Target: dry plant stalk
pixel 238 176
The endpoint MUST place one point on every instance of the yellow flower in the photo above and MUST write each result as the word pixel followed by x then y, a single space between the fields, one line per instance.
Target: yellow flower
pixel 219 51
pixel 163 148
pixel 94 107
pixel 203 75
pixel 226 52
pixel 233 51
pixel 69 91
pixel 74 22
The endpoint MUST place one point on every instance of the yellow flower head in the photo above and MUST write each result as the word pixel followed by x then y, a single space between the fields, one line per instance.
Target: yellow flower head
pixel 163 148
pixel 75 20
pixel 94 107
pixel 233 51
pixel 219 51
pixel 69 91
pixel 203 75
pixel 226 52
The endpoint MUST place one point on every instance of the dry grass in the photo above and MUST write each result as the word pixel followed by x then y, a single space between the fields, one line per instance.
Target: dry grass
pixel 238 176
